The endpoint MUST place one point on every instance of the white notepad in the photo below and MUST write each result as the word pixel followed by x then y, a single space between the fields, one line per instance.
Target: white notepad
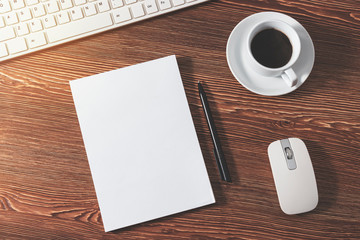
pixel 141 144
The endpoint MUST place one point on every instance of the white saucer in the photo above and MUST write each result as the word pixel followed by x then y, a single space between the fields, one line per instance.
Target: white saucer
pixel 269 86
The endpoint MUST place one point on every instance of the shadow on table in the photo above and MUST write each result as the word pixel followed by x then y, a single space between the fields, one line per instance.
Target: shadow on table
pixel 186 70
pixel 325 174
pixel 334 57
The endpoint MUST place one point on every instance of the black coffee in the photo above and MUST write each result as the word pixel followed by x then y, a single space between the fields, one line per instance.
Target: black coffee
pixel 271 48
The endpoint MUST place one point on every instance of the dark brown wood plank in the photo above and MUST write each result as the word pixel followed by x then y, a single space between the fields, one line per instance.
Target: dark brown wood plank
pixel 46 190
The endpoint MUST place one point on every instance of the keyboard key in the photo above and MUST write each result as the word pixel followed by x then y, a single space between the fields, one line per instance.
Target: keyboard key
pixel 17 45
pixel 52 7
pixel 79 2
pixel 11 18
pixel 150 6
pixel 6 33
pixel 63 17
pixel 2 22
pixel 121 15
pixel 3 50
pixel 76 13
pixel 103 5
pixel 178 2
pixel 130 1
pixel 137 10
pixel 32 2
pixel 24 14
pixel 35 25
pixel 65 4
pixel 22 29
pixel 49 21
pixel 39 11
pixel 16 4
pixel 4 6
pixel 164 4
pixel 79 27
pixel 90 9
pixel 116 3
pixel 36 40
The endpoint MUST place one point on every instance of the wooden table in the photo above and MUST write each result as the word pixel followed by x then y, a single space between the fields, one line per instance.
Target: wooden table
pixel 46 189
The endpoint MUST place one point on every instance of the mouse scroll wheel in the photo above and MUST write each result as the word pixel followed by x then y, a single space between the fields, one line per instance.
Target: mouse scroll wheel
pixel 289 153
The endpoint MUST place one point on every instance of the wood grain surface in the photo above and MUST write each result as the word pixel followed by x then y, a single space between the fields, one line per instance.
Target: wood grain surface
pixel 46 189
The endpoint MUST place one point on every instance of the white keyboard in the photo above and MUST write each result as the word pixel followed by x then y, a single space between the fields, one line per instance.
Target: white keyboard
pixel 30 25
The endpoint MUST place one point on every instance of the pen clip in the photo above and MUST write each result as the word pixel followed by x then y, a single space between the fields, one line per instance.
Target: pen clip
pixel 222 175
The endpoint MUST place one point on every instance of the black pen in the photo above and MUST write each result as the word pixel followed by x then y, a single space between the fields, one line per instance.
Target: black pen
pixel 219 155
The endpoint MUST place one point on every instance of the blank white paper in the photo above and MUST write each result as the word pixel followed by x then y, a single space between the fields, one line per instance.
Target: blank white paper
pixel 144 155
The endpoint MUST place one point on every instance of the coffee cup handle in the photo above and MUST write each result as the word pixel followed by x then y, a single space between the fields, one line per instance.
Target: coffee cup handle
pixel 289 77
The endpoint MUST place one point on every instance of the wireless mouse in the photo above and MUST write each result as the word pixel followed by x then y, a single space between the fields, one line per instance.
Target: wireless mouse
pixel 293 175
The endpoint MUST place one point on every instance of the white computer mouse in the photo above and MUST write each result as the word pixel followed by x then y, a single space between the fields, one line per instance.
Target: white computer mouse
pixel 293 175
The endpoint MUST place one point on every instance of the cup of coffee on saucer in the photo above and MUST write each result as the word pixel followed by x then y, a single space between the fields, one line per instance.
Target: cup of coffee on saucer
pixel 270 53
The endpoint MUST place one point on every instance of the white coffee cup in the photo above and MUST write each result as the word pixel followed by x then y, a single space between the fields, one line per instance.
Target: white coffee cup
pixel 285 72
